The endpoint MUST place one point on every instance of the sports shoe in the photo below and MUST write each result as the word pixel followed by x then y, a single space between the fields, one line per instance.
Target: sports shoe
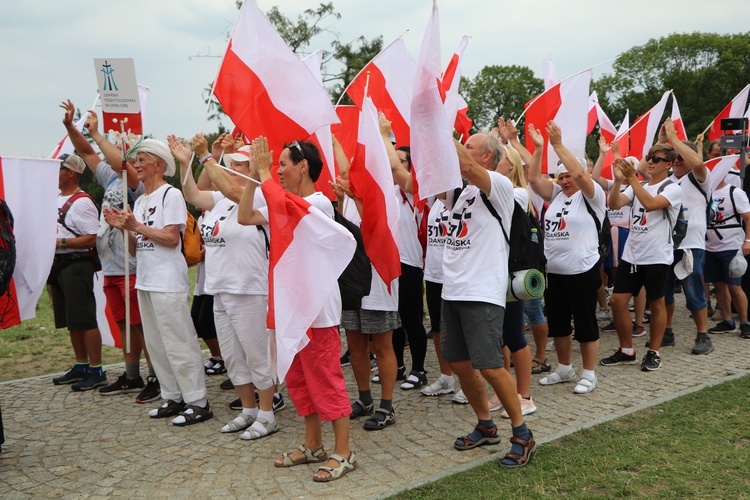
pixel 494 403
pixel 619 358
pixel 527 407
pixel 745 330
pixel 151 392
pixel 70 376
pixel 651 361
pixel 443 385
pixel 278 403
pixel 603 314
pixel 550 345
pixel 122 386
pixel 557 378
pixel 346 359
pixel 459 398
pixel 91 381
pixel 373 363
pixel 667 341
pixel 638 331
pixel 236 404
pixel 609 327
pixel 723 326
pixel 703 345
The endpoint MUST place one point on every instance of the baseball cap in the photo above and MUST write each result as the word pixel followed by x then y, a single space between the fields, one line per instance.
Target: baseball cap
pixel 242 154
pixel 73 162
pixel 738 265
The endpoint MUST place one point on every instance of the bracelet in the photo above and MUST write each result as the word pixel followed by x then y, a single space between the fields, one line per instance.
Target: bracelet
pixel 747 241
pixel 63 244
pixel 99 141
pixel 205 158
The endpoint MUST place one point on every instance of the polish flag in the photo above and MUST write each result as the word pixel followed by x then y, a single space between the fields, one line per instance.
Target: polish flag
pixel 108 327
pixel 645 128
pixel 65 147
pixel 455 104
pixel 679 127
pixel 391 83
pixel 565 103
pixel 622 137
pixel 264 87
pixel 322 137
pixel 347 131
pixel 593 101
pixel 463 123
pixel 720 167
pixel 136 123
pixel 606 127
pixel 734 109
pixel 372 182
pixel 432 150
pixel 309 251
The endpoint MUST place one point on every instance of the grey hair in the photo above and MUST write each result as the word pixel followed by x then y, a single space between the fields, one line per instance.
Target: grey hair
pixel 493 144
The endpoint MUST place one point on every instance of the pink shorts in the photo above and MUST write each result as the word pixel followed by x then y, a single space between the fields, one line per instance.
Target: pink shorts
pixel 114 290
pixel 315 381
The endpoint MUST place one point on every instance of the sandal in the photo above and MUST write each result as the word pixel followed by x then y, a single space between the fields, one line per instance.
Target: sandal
pixel 310 457
pixel 168 409
pixel 400 375
pixel 359 409
pixel 260 428
pixel 539 366
pixel 489 436
pixel 529 446
pixel 215 366
pixel 346 465
pixel 240 423
pixel 555 378
pixel 380 420
pixel 415 380
pixel 193 414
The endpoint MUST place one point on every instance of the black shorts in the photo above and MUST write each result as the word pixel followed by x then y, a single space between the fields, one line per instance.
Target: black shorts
pixel 73 300
pixel 573 297
pixel 630 278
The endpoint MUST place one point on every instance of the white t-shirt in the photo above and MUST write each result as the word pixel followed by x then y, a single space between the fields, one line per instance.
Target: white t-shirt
pixel 695 202
pixel 475 258
pixel 437 228
pixel 733 178
pixel 330 315
pixel 650 237
pixel 727 225
pixel 161 268
pixel 82 218
pixel 571 242
pixel 109 241
pixel 409 248
pixel 236 255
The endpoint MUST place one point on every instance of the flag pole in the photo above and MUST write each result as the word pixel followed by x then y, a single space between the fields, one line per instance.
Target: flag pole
pixel 238 174
pixel 126 252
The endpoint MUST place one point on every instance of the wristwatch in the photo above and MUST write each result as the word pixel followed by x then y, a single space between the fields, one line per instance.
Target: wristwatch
pixel 63 245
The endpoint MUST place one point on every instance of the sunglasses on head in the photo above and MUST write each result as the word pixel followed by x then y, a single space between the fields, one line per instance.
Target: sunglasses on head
pixel 296 145
pixel 655 159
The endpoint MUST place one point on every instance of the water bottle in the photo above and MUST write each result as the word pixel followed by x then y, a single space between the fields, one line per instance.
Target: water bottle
pixel 534 235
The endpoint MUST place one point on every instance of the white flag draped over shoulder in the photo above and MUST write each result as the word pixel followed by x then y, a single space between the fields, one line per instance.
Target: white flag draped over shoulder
pixel 432 150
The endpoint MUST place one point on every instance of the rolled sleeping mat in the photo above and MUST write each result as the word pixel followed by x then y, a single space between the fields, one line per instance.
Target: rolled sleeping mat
pixel 525 285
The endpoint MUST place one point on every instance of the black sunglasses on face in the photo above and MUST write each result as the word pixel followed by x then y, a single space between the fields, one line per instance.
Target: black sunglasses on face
pixel 655 159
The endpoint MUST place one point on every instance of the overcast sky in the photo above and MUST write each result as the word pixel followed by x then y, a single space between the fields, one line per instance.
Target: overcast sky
pixel 47 47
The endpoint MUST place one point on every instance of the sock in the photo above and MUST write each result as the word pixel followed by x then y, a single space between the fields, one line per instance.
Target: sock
pixel 522 432
pixel 81 367
pixel 96 369
pixel 365 397
pixel 589 374
pixel 476 434
pixel 151 372
pixel 266 415
pixel 253 412
pixel 705 334
pixel 386 404
pixel 201 403
pixel 447 378
pixel 627 350
pixel 132 370
pixel 561 368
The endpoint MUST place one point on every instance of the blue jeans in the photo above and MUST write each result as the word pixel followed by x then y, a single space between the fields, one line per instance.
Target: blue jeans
pixel 534 311
pixel 692 285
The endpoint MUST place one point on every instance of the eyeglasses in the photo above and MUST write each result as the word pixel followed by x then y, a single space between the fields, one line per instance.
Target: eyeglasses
pixel 656 159
pixel 296 145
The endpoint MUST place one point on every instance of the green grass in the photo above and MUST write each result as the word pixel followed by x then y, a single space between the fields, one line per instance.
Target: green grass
pixel 695 446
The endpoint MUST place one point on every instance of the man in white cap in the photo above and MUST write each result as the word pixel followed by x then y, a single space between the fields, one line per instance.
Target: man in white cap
pixel 155 227
pixel 71 278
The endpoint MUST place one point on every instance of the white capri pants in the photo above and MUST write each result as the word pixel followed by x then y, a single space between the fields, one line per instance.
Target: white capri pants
pixel 241 328
pixel 172 345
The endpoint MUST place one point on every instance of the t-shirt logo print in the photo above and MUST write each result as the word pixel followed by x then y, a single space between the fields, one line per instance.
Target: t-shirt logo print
pixel 558 224
pixel 640 218
pixel 458 228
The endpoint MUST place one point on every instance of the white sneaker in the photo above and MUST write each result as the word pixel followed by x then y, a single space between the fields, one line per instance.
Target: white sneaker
pixel 494 403
pixel 443 385
pixel 557 378
pixel 603 314
pixel 550 345
pixel 527 407
pixel 460 399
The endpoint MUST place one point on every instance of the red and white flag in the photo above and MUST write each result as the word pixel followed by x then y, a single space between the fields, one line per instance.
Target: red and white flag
pixel 264 87
pixel 449 82
pixel 679 127
pixel 565 103
pixel 720 167
pixel 622 137
pixel 646 126
pixel 592 113
pixel 308 253
pixel 347 131
pixel 463 123
pixel 29 187
pixel 372 182
pixel 391 84
pixel 433 153
pixel 735 109
pixel 108 327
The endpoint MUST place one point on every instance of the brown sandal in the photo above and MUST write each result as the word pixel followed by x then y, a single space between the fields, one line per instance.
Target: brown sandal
pixel 489 436
pixel 529 446
pixel 539 366
pixel 310 456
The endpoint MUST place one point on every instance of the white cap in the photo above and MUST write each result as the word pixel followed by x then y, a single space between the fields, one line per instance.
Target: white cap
pixel 738 265
pixel 161 150
pixel 684 268
pixel 242 154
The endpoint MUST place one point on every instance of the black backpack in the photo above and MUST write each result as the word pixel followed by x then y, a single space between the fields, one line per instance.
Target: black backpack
pixel 7 247
pixel 680 225
pixel 525 241
pixel 355 281
pixel 603 229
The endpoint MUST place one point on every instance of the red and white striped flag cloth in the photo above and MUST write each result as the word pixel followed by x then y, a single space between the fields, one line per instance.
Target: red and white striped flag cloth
pixel 264 87
pixel 720 167
pixel 433 153
pixel 346 132
pixel 735 109
pixel 622 137
pixel 463 123
pixel 646 126
pixel 391 83
pixel 372 182
pixel 565 103
pixel 108 327
pixel 449 82
pixel 592 113
pixel 309 251
pixel 679 127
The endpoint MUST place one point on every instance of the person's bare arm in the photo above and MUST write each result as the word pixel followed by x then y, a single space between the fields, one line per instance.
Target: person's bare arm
pixel 649 202
pixel 181 151
pixel 79 142
pixel 471 170
pixel 617 199
pixel 340 158
pixel 401 176
pixel 690 157
pixel 540 184
pixel 577 172
pixel 217 175
pixel 596 173
pixel 526 156
pixel 262 158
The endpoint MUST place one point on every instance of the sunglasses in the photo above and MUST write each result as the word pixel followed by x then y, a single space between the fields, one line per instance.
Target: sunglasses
pixel 296 145
pixel 62 159
pixel 656 159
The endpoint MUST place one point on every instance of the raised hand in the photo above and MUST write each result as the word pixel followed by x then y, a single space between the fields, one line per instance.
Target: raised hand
pixel 70 111
pixel 536 137
pixel 603 145
pixel 554 133
pixel 92 122
pixel 180 149
pixel 385 125
pixel 200 145
pixel 261 157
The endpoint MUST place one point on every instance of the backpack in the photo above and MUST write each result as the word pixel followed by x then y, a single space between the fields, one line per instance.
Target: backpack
pixel 93 254
pixel 190 238
pixel 7 247
pixel 712 209
pixel 737 216
pixel 603 229
pixel 355 281
pixel 680 225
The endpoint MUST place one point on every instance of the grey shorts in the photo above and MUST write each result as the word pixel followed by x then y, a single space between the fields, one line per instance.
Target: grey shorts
pixel 473 331
pixel 370 322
